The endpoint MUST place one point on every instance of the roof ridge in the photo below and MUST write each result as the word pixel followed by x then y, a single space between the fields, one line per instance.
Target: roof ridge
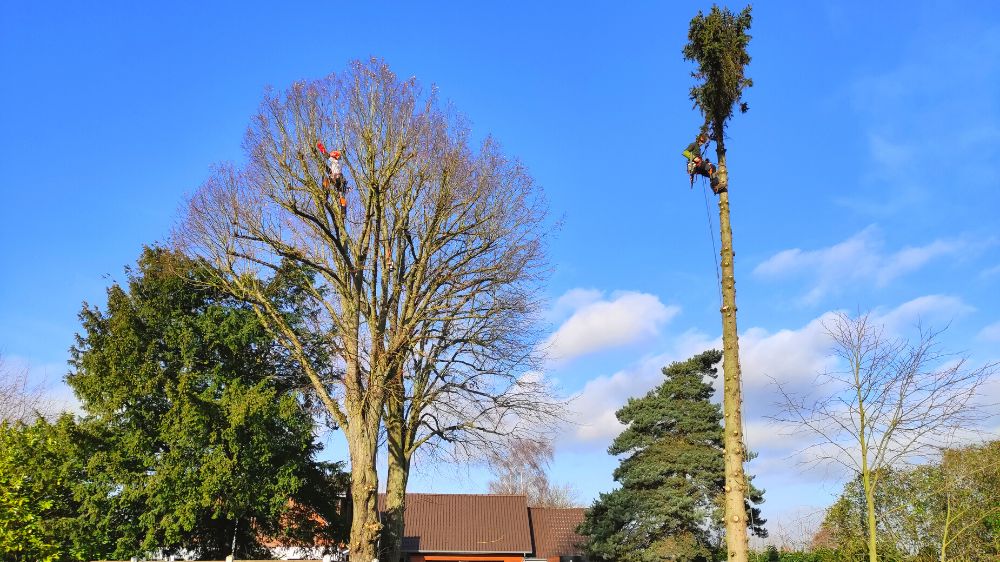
pixel 465 494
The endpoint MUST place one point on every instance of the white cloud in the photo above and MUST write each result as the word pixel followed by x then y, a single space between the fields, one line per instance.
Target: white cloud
pixel 788 356
pixel 572 300
pixel 793 357
pixel 990 272
pixel 596 404
pixel 597 323
pixel 862 258
pixel 990 333
pixel 937 310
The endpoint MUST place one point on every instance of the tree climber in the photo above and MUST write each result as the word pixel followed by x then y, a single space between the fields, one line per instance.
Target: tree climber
pixel 334 174
pixel 698 165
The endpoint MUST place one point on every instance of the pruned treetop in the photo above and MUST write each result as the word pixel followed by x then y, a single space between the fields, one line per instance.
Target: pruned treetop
pixel 717 43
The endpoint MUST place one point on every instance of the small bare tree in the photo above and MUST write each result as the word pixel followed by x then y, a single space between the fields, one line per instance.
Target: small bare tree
pixel 523 470
pixel 894 402
pixel 19 400
pixel 794 532
pixel 424 284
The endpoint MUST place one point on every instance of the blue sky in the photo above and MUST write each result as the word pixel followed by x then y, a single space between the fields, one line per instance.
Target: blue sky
pixel 864 176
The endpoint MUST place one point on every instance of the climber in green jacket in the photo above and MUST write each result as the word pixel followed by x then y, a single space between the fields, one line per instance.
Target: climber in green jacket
pixel 699 165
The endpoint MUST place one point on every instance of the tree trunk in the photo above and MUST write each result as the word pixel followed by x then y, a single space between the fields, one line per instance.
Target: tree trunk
pixel 365 527
pixel 736 485
pixel 867 479
pixel 947 524
pixel 395 504
pixel 872 531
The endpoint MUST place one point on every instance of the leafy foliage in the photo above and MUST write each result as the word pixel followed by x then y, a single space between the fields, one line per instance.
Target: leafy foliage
pixel 772 554
pixel 672 473
pixel 846 519
pixel 201 440
pixel 32 499
pixel 952 503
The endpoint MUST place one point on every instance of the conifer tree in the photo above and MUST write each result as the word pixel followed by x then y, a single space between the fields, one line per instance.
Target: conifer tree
pixel 671 475
pixel 717 44
pixel 198 438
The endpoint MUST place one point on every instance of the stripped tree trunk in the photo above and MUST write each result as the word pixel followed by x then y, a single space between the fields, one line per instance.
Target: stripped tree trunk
pixel 736 483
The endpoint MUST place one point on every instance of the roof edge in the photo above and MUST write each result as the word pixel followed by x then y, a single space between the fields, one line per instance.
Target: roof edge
pixel 525 553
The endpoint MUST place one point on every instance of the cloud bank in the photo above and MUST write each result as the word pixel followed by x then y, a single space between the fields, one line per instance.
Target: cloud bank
pixel 861 259
pixel 597 323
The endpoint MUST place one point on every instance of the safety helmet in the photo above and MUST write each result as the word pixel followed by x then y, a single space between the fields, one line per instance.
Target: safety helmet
pixel 335 154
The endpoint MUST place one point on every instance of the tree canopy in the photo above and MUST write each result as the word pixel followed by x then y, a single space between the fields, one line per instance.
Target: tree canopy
pixel 671 473
pixel 943 510
pixel 426 283
pixel 200 439
pixel 717 43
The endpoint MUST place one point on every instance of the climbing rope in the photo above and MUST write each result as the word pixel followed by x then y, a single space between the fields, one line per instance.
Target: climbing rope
pixel 711 234
pixel 746 461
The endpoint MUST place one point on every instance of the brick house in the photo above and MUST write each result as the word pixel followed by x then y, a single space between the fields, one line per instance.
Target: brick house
pixel 487 528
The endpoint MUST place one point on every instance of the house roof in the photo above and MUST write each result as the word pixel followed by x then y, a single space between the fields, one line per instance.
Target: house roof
pixel 466 523
pixel 554 531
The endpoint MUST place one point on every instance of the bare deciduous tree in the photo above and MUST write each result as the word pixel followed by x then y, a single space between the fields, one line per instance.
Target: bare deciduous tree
pixel 894 402
pixel 522 469
pixel 424 289
pixel 794 532
pixel 19 400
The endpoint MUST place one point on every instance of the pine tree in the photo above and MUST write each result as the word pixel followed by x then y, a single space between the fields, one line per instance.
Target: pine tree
pixel 717 43
pixel 671 474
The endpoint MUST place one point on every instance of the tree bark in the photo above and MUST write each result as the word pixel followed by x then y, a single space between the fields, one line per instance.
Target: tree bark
pixel 872 524
pixel 867 478
pixel 364 406
pixel 947 524
pixel 736 485
pixel 365 525
pixel 395 505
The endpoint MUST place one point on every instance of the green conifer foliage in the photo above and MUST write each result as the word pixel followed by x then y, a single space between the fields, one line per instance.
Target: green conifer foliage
pixel 669 505
pixel 200 440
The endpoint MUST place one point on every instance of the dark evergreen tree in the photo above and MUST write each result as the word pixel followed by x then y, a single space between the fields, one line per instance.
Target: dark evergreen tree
pixel 669 505
pixel 200 438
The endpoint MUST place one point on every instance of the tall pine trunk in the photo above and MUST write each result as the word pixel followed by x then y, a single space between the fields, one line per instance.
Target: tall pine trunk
pixel 736 484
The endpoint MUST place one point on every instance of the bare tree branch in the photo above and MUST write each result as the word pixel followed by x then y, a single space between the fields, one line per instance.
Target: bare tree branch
pixel 426 288
pixel 19 399
pixel 895 403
